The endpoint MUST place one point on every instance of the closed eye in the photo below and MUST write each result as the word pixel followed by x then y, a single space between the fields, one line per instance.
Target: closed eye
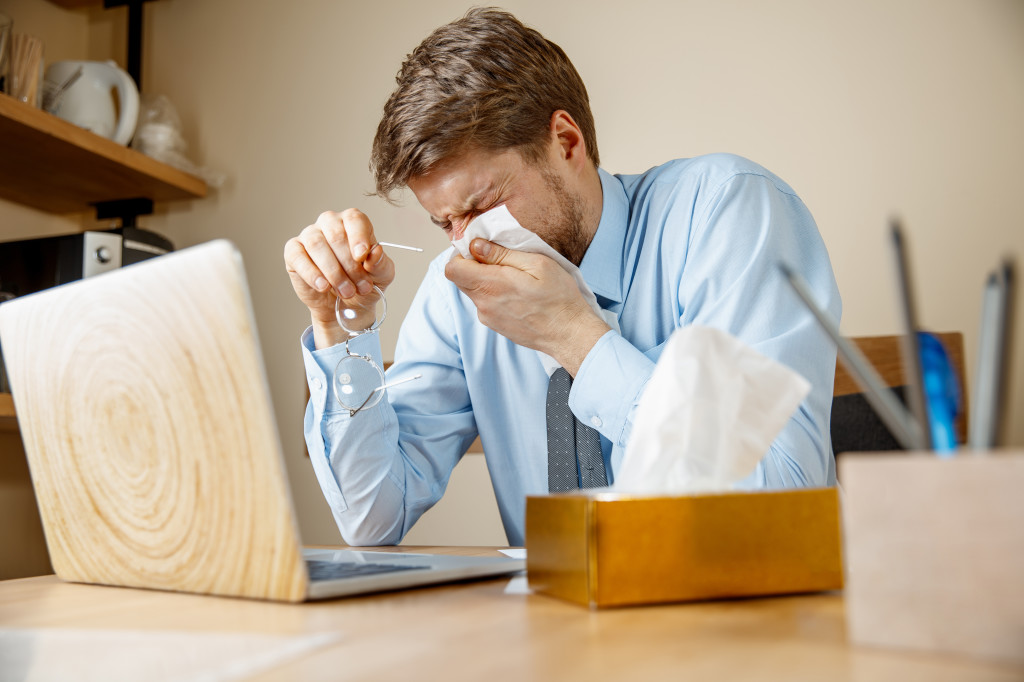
pixel 463 219
pixel 443 224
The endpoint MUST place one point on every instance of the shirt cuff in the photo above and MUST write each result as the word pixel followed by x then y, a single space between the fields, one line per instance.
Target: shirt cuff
pixel 320 366
pixel 319 390
pixel 608 386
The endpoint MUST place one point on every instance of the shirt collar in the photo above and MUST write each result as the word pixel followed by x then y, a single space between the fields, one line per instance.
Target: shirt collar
pixel 602 264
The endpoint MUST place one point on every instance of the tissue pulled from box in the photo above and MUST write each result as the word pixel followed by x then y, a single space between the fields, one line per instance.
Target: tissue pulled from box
pixel 707 416
pixel 499 226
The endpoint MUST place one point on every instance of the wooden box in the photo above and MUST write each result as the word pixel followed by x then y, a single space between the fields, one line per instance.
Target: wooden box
pixel 609 549
pixel 935 551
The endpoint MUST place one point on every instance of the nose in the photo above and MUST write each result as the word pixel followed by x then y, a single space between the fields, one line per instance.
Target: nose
pixel 456 232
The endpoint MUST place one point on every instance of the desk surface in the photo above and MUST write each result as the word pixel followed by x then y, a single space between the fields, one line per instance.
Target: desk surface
pixel 475 631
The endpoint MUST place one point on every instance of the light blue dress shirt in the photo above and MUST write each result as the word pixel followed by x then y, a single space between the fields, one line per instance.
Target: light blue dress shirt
pixel 694 241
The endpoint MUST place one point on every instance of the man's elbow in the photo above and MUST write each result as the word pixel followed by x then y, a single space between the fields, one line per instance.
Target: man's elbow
pixel 368 532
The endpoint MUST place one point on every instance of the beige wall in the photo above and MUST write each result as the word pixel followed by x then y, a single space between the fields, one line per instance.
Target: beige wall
pixel 866 108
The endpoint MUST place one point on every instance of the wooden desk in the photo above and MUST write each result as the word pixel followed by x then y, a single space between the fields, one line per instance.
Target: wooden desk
pixel 475 631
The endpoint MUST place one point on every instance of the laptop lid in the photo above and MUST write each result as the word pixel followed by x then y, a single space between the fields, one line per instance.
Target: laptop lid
pixel 145 413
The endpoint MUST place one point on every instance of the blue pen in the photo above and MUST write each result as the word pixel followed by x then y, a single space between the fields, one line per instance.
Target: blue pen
pixel 942 391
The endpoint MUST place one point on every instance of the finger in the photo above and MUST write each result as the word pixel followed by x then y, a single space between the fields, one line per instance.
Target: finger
pixel 486 251
pixel 327 247
pixel 302 290
pixel 359 231
pixel 302 270
pixel 347 233
pixel 490 253
pixel 359 242
pixel 467 274
pixel 379 266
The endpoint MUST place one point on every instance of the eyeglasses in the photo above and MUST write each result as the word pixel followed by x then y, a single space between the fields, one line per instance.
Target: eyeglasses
pixel 359 382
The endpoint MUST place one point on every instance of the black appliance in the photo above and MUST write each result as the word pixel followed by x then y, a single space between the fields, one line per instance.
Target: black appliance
pixel 31 265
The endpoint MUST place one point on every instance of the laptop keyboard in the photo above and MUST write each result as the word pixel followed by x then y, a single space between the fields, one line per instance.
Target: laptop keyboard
pixel 335 570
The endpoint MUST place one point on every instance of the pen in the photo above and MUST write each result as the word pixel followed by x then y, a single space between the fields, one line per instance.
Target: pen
pixel 900 423
pixel 912 368
pixel 989 407
pixel 983 411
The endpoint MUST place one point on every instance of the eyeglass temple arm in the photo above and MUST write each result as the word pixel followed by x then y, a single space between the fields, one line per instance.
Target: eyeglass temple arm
pixel 352 413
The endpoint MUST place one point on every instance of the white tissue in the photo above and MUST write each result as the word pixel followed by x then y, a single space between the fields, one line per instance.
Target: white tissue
pixel 708 415
pixel 498 226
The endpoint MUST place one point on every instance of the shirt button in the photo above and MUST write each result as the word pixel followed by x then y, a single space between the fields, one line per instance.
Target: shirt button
pixel 317 382
pixel 596 422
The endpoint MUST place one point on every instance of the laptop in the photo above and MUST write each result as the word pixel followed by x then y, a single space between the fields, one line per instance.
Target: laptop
pixel 145 412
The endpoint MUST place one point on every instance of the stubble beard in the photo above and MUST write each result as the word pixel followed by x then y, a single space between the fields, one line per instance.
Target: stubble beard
pixel 565 231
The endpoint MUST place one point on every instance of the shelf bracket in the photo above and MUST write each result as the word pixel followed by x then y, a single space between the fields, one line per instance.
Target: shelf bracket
pixel 134 62
pixel 127 210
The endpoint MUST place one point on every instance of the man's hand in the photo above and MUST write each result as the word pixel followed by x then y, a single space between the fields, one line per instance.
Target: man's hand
pixel 338 256
pixel 529 299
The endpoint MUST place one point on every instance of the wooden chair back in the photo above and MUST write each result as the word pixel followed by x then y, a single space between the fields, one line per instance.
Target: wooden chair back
pixel 885 355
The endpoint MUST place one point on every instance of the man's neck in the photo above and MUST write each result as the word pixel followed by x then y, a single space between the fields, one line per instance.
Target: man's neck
pixel 592 194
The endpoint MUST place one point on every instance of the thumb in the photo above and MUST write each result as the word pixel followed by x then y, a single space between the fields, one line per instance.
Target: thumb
pixel 491 253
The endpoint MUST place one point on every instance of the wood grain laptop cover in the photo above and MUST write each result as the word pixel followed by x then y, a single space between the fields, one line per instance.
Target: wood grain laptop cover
pixel 143 404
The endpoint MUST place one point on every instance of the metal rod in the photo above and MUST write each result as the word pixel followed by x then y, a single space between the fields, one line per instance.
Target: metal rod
pixel 913 371
pixel 895 416
pixel 396 383
pixel 400 246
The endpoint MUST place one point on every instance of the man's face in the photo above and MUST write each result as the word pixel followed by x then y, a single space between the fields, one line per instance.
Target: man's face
pixel 462 188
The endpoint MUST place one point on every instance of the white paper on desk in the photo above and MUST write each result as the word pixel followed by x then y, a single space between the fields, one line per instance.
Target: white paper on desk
pixel 517 583
pixel 84 655
pixel 707 416
pixel 500 227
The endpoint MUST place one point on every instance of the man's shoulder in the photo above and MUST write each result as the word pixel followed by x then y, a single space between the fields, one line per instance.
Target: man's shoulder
pixel 719 164
pixel 438 287
pixel 699 173
pixel 437 263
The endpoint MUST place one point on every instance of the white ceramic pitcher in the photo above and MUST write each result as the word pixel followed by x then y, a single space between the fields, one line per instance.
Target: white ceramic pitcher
pixel 90 101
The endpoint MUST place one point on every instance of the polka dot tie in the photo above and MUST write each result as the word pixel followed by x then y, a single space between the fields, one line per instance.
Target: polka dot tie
pixel 574 449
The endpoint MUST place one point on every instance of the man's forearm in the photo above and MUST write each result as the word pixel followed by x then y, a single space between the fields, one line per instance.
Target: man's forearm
pixel 581 336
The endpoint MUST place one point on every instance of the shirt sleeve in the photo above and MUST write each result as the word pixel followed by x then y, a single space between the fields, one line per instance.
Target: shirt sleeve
pixel 728 278
pixel 383 467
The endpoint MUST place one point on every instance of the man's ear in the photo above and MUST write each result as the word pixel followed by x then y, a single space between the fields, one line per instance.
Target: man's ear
pixel 567 144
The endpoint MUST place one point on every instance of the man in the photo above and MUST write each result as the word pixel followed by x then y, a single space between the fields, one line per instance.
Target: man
pixel 489 113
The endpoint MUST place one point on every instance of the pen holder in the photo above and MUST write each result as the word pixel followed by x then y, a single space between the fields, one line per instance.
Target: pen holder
pixel 935 552
pixel 26 70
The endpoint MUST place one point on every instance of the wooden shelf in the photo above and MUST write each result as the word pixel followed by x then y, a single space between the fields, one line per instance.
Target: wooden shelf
pixel 7 419
pixel 55 166
pixel 75 4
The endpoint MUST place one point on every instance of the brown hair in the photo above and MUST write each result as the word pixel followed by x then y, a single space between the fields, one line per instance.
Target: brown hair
pixel 484 81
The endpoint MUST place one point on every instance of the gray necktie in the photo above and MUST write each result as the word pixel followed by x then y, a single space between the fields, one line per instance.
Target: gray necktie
pixel 574 449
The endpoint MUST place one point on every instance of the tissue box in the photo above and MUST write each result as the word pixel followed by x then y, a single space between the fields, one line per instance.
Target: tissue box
pixel 610 549
pixel 935 551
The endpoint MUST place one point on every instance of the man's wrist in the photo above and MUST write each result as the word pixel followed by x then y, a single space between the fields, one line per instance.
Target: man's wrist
pixel 582 338
pixel 327 334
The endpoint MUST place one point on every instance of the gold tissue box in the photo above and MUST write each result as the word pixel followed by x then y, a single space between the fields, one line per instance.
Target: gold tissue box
pixel 610 549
